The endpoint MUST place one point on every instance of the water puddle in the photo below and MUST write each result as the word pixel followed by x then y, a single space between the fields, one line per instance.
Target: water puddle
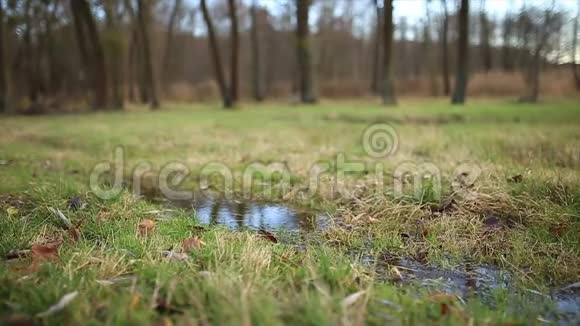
pixel 241 214
pixel 562 305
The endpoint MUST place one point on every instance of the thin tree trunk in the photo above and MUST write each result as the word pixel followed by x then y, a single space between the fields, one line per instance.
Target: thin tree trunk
pixel 30 63
pixel 575 68
pixel 389 97
pixel 484 43
pixel 98 56
pixel 115 54
pixel 462 55
pixel 3 93
pixel 149 73
pixel 235 51
pixel 87 70
pixel 376 71
pixel 215 54
pixel 256 64
pixel 306 85
pixel 169 42
pixel 506 46
pixel 445 50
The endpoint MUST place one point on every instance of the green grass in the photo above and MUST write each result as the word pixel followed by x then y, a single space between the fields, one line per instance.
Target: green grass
pixel 238 277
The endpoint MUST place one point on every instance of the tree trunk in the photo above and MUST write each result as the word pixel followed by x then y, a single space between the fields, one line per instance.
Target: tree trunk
pixel 532 79
pixel 445 50
pixel 376 72
pixel 235 51
pixel 462 55
pixel 115 53
pixel 506 46
pixel 169 42
pixel 485 48
pixel 98 56
pixel 215 54
pixel 389 97
pixel 3 93
pixel 305 79
pixel 256 64
pixel 87 70
pixel 31 64
pixel 148 70
pixel 575 68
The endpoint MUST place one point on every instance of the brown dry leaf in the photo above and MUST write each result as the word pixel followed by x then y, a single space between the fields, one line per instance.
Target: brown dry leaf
pixel 146 227
pixel 516 178
pixel 442 297
pixel 135 301
pixel 47 251
pixel 267 235
pixel 164 321
pixel 444 309
pixel 74 233
pixel 192 243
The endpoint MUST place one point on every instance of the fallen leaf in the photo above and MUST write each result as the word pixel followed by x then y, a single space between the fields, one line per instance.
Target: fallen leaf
pixel 352 298
pixel 74 233
pixel 19 319
pixel 267 235
pixel 164 321
pixel 516 178
pixel 75 203
pixel 492 221
pixel 60 305
pixel 47 251
pixel 11 211
pixel 444 309
pixel 135 301
pixel 163 307
pixel 442 296
pixel 192 243
pixel 146 227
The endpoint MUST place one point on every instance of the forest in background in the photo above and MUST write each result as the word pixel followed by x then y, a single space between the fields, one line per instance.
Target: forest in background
pixel 69 55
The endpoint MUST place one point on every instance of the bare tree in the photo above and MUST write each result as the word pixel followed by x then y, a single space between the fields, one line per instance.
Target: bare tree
pixel 445 50
pixel 306 85
pixel 91 49
pixel 173 18
pixel 540 29
pixel 215 54
pixel 462 55
pixel 376 67
pixel 485 36
pixel 389 97
pixel 3 93
pixel 506 50
pixel 235 51
pixel 575 68
pixel 256 64
pixel 143 14
pixel 114 47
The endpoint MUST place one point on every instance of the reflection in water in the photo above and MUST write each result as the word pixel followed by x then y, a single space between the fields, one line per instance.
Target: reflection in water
pixel 249 214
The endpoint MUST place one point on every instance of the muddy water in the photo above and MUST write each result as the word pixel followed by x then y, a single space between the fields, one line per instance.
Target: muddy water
pixel 560 304
pixel 239 214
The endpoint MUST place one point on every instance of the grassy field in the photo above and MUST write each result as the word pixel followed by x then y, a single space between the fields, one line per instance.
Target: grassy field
pixel 516 209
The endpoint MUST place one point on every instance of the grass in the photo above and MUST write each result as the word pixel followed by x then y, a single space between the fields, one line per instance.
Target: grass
pixel 239 277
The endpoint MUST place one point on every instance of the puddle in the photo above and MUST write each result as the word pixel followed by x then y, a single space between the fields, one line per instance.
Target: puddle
pixel 238 214
pixel 562 305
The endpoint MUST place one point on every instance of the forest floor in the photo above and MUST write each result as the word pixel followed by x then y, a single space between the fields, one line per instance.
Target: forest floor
pixel 491 234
